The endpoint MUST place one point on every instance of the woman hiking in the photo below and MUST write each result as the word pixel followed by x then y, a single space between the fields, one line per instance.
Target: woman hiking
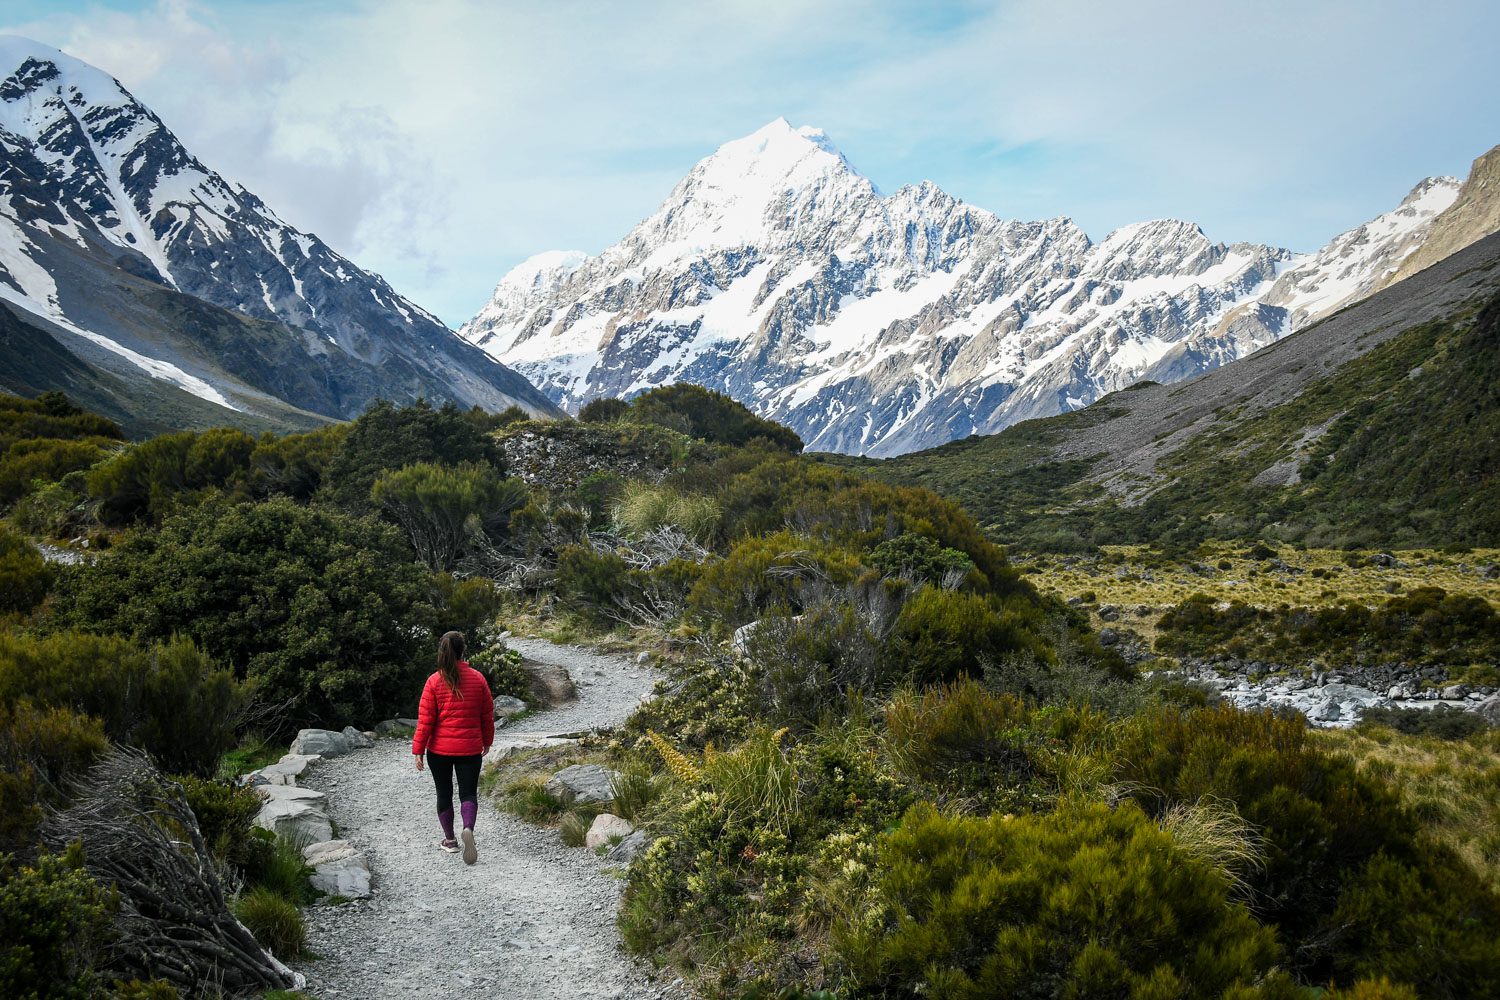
pixel 455 727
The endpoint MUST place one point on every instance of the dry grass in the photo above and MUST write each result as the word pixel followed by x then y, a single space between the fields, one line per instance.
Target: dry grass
pixel 1453 786
pixel 1149 581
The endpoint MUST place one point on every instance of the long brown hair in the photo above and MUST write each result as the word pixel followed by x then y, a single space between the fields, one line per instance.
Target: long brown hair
pixel 450 652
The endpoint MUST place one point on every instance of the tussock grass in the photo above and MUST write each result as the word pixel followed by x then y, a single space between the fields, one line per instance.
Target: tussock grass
pixel 1453 786
pixel 1214 833
pixel 644 508
pixel 275 922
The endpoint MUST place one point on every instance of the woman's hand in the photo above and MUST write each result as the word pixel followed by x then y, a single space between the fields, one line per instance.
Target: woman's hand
pixel 418 759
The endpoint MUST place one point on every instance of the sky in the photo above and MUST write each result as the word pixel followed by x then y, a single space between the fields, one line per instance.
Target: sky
pixel 441 142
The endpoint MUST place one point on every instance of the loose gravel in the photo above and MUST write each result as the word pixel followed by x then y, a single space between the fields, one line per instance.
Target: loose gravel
pixel 532 919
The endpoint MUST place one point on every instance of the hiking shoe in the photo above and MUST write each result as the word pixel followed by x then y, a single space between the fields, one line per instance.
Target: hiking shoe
pixel 471 853
pixel 450 846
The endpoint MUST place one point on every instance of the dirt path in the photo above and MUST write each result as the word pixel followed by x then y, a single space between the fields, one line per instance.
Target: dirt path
pixel 532 919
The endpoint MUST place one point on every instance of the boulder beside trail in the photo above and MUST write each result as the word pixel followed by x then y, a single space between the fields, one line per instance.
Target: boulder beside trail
pixel 506 706
pixel 582 784
pixel 550 683
pixel 395 727
pixel 358 740
pixel 1490 710
pixel 606 827
pixel 321 742
pixel 338 869
pixel 288 769
pixel 626 850
pixel 295 813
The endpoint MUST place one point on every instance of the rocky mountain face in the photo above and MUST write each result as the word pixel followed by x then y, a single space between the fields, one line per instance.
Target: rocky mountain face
pixel 1473 215
pixel 880 324
pixel 138 259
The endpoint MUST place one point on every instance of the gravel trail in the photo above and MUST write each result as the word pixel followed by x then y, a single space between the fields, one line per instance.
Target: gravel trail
pixel 532 919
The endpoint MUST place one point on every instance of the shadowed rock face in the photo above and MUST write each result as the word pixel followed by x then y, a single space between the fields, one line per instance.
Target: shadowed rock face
pixel 110 227
pixel 1474 215
pixel 876 324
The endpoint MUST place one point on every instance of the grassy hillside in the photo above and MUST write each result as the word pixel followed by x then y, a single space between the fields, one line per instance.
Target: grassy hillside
pixel 1398 447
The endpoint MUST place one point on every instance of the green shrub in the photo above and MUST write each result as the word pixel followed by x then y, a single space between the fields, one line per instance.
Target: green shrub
pixel 501 666
pixel 759 573
pixel 1086 902
pixel 276 923
pixel 42 751
pixel 962 741
pixel 1326 830
pixel 146 481
pixel 469 606
pixel 50 415
pixel 317 609
pixel 226 817
pixel 604 410
pixel 388 437
pixel 592 582
pixel 25 577
pixel 711 416
pixel 942 635
pixel 1446 722
pixel 54 928
pixel 167 698
pixel 803 669
pixel 292 465
pixel 444 510
pixel 27 464
pixel 280 868
pixel 920 560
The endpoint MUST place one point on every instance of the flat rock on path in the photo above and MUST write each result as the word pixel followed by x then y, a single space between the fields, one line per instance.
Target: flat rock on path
pixel 532 919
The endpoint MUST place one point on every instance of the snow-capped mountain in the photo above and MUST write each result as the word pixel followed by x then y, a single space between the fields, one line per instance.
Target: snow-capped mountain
pixel 119 242
pixel 880 324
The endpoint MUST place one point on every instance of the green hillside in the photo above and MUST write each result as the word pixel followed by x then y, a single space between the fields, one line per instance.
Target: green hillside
pixel 1398 447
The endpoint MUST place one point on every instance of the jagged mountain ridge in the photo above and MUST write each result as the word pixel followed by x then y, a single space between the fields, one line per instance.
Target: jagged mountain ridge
pixel 882 324
pixel 116 239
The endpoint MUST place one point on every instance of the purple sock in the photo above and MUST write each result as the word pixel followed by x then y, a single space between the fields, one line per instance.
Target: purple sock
pixel 470 811
pixel 446 818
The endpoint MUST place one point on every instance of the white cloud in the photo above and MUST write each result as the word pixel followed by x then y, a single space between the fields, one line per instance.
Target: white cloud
pixel 441 143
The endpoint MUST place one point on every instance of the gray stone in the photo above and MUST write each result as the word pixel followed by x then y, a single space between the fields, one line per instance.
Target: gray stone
pixel 395 727
pixel 1109 613
pixel 1327 710
pixel 1489 709
pixel 295 813
pixel 550 683
pixel 582 784
pixel 606 827
pixel 1108 637
pixel 1454 692
pixel 323 742
pixel 347 875
pixel 330 850
pixel 288 769
pixel 506 706
pixel 358 740
pixel 626 850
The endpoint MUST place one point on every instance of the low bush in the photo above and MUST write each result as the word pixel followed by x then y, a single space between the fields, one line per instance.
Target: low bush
pixel 760 572
pixel 42 751
pixel 25 577
pixel 446 511
pixel 1077 903
pixel 54 929
pixel 320 611
pixel 965 745
pixel 805 668
pixel 167 698
pixel 226 817
pixel 501 666
pixel 1446 722
pixel 29 464
pixel 921 560
pixel 942 635
pixel 1350 884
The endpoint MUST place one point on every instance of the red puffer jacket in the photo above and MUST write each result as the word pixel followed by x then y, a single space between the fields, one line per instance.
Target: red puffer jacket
pixel 455 725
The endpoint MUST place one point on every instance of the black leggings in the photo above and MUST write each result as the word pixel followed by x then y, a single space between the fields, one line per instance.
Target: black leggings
pixel 443 768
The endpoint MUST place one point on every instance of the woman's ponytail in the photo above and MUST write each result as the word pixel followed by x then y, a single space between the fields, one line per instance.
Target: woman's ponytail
pixel 450 652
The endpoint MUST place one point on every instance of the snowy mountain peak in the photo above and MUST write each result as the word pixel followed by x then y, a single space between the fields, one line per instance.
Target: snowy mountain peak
pixel 97 193
pixel 775 273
